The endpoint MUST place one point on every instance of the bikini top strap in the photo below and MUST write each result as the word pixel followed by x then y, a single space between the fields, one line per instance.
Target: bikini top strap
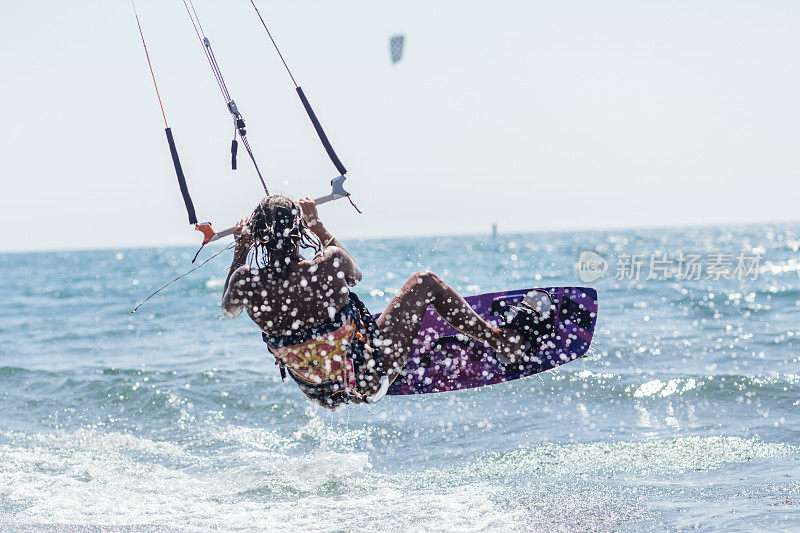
pixel 363 314
pixel 368 323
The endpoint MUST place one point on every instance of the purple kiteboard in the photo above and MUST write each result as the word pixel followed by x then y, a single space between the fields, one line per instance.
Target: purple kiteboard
pixel 444 360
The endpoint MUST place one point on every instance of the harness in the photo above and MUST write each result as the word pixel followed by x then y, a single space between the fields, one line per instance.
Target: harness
pixel 324 359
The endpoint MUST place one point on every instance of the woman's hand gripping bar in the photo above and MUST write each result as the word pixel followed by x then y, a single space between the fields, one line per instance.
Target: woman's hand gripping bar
pixel 337 192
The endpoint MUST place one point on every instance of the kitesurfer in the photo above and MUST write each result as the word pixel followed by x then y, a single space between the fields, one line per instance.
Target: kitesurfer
pixel 317 329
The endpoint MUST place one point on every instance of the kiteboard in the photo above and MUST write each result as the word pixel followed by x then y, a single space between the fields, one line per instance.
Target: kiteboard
pixel 445 360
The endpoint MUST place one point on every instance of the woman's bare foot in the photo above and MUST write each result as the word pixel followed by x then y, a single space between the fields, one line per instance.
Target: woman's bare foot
pixel 508 345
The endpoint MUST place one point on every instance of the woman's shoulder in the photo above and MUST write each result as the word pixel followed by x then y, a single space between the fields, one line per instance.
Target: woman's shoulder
pixel 332 255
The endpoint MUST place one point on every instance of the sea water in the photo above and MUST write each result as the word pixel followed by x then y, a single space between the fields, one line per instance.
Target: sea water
pixel 685 413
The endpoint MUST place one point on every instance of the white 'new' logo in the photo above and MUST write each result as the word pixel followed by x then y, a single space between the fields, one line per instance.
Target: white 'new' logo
pixel 591 266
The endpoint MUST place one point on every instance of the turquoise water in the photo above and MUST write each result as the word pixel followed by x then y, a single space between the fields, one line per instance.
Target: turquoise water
pixel 685 413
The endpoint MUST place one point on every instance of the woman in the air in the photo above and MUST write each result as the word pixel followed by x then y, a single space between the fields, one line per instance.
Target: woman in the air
pixel 315 327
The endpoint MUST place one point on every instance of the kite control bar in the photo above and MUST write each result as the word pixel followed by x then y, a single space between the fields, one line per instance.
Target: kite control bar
pixel 337 192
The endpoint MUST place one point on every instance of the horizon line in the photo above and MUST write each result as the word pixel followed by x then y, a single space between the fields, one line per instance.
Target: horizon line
pixel 428 236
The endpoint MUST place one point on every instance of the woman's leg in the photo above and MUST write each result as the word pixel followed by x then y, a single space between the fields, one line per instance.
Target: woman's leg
pixel 400 322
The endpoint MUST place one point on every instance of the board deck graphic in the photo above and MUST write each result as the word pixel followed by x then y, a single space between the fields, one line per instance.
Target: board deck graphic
pixel 445 360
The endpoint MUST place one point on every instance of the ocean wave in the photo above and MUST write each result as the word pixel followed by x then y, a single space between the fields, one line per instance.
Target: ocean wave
pixel 90 478
pixel 11 371
pixel 158 392
pixel 140 399
pixel 719 386
pixel 659 457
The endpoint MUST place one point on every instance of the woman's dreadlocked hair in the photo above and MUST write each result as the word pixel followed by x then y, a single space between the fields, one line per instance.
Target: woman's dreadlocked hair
pixel 279 232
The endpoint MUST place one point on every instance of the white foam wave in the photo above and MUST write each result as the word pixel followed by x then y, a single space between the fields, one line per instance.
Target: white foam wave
pixel 89 478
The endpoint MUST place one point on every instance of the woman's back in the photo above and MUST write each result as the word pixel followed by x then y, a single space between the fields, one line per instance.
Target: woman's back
pixel 352 357
pixel 310 292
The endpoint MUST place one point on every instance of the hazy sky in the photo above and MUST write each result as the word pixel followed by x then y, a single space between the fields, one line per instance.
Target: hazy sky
pixel 533 115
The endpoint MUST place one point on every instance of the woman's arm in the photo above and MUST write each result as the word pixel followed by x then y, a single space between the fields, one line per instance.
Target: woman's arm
pixel 234 298
pixel 332 248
